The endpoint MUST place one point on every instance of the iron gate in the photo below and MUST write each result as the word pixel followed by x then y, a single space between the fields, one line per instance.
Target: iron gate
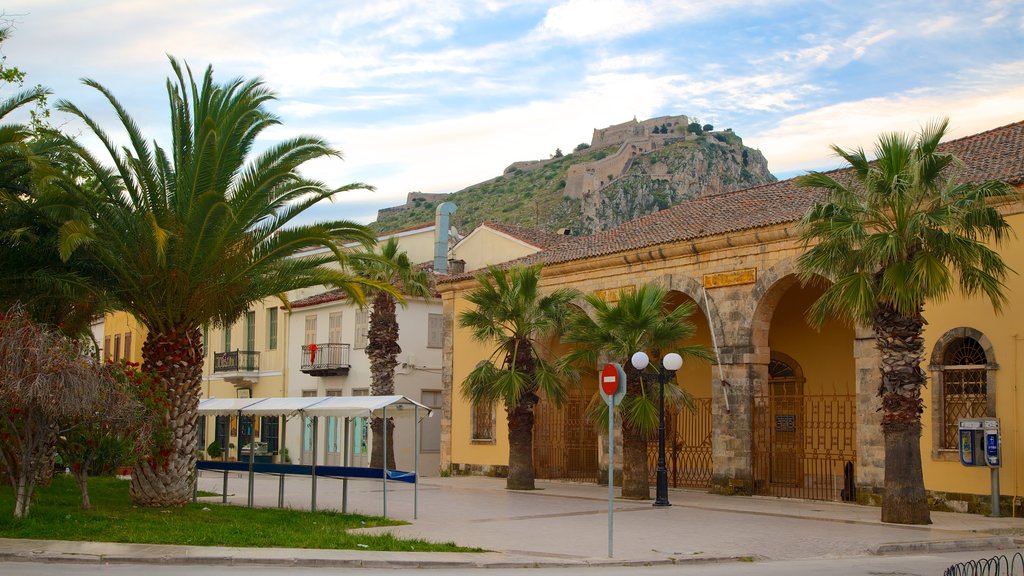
pixel 687 448
pixel 565 441
pixel 804 444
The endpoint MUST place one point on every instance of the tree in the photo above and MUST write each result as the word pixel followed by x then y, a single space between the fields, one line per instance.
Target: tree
pixel 581 146
pixel 390 267
pixel 128 423
pixel 897 233
pixel 47 386
pixel 510 312
pixel 695 128
pixel 638 321
pixel 558 153
pixel 197 233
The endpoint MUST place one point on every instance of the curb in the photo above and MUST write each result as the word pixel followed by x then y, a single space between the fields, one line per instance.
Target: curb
pixel 931 547
pixel 100 559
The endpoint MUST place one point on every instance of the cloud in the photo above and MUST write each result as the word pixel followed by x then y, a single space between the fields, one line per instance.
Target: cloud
pixel 801 142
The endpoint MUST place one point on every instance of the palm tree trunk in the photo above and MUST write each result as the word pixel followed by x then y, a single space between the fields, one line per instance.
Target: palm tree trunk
pixel 901 348
pixel 636 483
pixel 382 349
pixel 176 359
pixel 520 444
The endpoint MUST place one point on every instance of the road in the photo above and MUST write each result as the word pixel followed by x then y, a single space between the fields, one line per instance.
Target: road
pixel 900 565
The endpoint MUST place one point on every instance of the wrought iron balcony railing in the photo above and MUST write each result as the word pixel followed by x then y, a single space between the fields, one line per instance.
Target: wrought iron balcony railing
pixel 237 361
pixel 329 359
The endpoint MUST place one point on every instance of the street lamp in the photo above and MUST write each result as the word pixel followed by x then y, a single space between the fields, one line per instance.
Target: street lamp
pixel 669 364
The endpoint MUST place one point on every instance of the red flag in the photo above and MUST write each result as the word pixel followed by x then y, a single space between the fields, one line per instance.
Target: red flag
pixel 312 353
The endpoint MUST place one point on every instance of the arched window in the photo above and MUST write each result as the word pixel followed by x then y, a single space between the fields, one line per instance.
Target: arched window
pixel 963 374
pixel 964 386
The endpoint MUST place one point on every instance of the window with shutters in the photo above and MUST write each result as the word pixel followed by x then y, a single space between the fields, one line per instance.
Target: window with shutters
pixel 128 346
pixel 334 332
pixel 250 331
pixel 435 330
pixel 107 352
pixel 272 328
pixel 117 347
pixel 362 329
pixel 227 338
pixel 483 422
pixel 430 428
pixel 310 330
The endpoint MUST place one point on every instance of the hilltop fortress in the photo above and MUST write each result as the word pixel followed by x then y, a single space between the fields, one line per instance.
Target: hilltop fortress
pixel 633 139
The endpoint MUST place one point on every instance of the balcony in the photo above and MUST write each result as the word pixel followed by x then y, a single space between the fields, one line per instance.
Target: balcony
pixel 237 361
pixel 325 359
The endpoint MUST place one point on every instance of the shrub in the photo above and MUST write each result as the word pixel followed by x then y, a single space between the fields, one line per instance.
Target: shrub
pixel 214 450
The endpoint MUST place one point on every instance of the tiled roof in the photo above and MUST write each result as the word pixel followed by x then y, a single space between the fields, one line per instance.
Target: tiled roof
pixel 995 154
pixel 321 298
pixel 535 237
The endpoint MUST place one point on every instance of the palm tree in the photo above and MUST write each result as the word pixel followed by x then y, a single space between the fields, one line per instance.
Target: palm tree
pixel 196 233
pixel 897 233
pixel 639 321
pixel 510 312
pixel 35 166
pixel 390 267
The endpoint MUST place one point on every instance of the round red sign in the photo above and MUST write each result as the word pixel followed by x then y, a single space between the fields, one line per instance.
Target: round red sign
pixel 610 379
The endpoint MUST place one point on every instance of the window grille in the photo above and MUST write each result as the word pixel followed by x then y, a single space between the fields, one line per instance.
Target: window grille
pixel 964 387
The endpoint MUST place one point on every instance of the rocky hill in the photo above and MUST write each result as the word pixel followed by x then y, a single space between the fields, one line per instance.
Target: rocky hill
pixel 630 170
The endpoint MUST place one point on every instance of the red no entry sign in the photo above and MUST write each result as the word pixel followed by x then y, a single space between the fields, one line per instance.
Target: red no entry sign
pixel 613 383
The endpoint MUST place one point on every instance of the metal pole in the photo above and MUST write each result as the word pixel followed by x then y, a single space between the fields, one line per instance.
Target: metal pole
pixel 385 462
pixel 995 491
pixel 611 472
pixel 280 451
pixel 224 457
pixel 312 505
pixel 661 491
pixel 416 461
pixel 346 460
pixel 252 456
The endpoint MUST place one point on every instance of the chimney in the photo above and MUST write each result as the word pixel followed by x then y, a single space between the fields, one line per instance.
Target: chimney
pixel 456 266
pixel 441 223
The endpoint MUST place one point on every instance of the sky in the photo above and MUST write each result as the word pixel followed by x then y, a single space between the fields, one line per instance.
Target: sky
pixel 433 96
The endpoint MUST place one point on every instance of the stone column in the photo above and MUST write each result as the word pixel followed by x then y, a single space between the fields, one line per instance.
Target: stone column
pixel 870 472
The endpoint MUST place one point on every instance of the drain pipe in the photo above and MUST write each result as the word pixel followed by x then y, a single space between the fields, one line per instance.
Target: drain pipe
pixel 714 342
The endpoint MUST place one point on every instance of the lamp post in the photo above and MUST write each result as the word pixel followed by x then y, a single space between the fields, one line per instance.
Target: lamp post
pixel 669 364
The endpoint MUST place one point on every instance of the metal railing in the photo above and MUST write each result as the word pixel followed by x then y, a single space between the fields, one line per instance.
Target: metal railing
pixel 237 361
pixel 565 441
pixel 996 565
pixel 805 445
pixel 322 358
pixel 687 447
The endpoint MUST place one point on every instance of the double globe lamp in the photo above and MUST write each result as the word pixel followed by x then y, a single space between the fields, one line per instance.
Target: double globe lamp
pixel 669 364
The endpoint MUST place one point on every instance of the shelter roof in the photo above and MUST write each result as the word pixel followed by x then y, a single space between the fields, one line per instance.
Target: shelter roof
pixel 308 405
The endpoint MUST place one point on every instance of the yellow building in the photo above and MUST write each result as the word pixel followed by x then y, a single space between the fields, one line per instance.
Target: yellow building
pixel 788 411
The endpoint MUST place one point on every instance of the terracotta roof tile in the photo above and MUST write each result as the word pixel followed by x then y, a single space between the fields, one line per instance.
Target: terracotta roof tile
pixel 321 298
pixel 995 154
pixel 535 237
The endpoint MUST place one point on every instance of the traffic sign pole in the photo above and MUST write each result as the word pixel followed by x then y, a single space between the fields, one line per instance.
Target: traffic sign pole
pixel 612 385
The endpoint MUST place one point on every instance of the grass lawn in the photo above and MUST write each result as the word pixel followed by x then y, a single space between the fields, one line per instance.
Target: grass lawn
pixel 55 515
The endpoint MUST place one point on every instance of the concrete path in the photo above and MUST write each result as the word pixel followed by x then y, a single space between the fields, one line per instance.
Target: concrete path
pixel 562 524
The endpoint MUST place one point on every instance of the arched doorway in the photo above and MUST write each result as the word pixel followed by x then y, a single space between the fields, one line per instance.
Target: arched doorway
pixel 688 433
pixel 804 404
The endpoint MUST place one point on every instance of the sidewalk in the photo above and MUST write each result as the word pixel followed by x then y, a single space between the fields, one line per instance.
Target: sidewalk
pixel 561 524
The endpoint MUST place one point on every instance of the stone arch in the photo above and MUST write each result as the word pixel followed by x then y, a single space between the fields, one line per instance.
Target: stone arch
pixel 706 303
pixel 937 369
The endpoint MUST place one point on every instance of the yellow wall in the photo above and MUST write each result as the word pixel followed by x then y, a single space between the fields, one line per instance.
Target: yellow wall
pixel 1006 333
pixel 120 324
pixel 825 356
pixel 696 375
pixel 486 246
pixel 465 356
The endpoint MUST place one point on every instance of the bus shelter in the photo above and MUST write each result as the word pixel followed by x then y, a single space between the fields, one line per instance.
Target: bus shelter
pixel 314 407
